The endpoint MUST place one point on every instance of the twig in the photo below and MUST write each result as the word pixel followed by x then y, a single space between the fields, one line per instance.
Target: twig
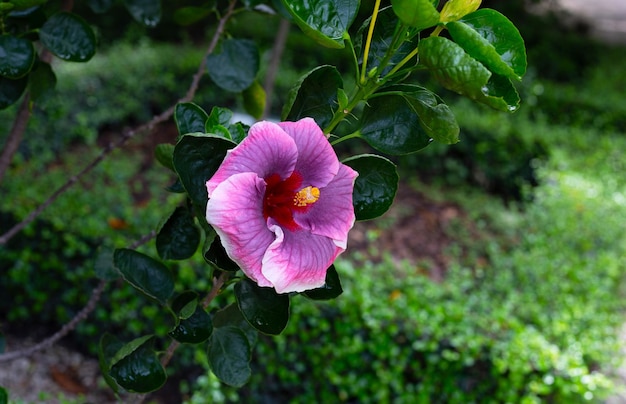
pixel 80 316
pixel 272 70
pixel 164 116
pixel 15 136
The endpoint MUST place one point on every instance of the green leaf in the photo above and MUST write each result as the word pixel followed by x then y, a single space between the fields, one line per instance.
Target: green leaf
pixel 99 6
pixel 489 37
pixel 17 56
pixel 189 118
pixel 195 325
pixel 459 72
pixel 434 115
pixel 164 153
pixel 315 96
pixel 145 273
pixel 179 237
pixel 235 66
pixel 331 288
pixel 220 117
pixel 419 14
pixel 325 21
pixel 4 396
pixel 216 256
pixel 196 159
pixel 456 9
pixel 147 12
pixel 186 16
pixel 11 91
pixel 107 348
pixel 254 100
pixel 375 187
pixel 390 125
pixel 230 316
pixel 238 131
pixel 136 367
pixel 229 355
pixel 41 81
pixel 68 37
pixel 265 310
pixel 103 266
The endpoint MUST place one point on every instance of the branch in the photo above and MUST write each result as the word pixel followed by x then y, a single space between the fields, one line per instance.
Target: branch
pixel 164 116
pixel 272 70
pixel 80 316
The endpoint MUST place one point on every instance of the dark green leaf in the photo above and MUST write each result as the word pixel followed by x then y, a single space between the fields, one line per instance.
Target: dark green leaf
pixel 195 325
pixel 145 273
pixel 326 21
pixel 176 187
pixel 99 6
pixel 314 96
pixel 265 310
pixel 229 355
pixel 164 153
pixel 216 256
pixel 238 131
pixel 254 100
pixel 136 367
pixel 69 37
pixel 11 91
pixel 390 125
pixel 184 305
pixel 489 37
pixel 186 16
pixel 4 396
pixel 331 288
pixel 218 120
pixel 375 187
pixel 17 56
pixel 435 116
pixel 147 12
pixel 107 348
pixel 3 343
pixel 103 265
pixel 41 81
pixel 235 66
pixel 231 316
pixel 458 71
pixel 196 159
pixel 179 236
pixel 419 14
pixel 189 118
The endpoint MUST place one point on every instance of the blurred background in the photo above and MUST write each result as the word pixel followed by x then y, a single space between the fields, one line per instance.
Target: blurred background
pixel 497 276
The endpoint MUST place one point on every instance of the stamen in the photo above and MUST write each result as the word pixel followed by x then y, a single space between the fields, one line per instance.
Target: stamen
pixel 306 196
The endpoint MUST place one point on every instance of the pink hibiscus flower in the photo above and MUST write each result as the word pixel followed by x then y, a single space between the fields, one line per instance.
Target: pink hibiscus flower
pixel 281 203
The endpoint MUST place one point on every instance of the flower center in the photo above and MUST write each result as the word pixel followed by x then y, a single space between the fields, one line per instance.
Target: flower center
pixel 284 197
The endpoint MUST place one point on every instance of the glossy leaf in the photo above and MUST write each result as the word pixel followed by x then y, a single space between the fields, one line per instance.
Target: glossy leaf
pixel 136 367
pixel 314 96
pixel 489 37
pixel 68 37
pixel 390 125
pixel 254 100
pixel 11 91
pixel 216 256
pixel 331 288
pixel 235 66
pixel 238 131
pixel 434 115
pixel 147 12
pixel 265 310
pixel 145 273
pixel 375 187
pixel 17 56
pixel 179 236
pixel 99 6
pixel 456 9
pixel 459 72
pixel 164 154
pixel 325 21
pixel 195 325
pixel 41 81
pixel 107 348
pixel 189 118
pixel 229 355
pixel 196 159
pixel 419 14
pixel 218 120
pixel 230 316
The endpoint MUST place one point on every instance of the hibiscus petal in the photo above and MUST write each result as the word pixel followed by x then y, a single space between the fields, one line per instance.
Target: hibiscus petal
pixel 317 161
pixel 333 213
pixel 297 261
pixel 235 211
pixel 265 151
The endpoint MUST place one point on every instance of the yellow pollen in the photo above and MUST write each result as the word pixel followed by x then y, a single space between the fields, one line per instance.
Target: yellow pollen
pixel 306 196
